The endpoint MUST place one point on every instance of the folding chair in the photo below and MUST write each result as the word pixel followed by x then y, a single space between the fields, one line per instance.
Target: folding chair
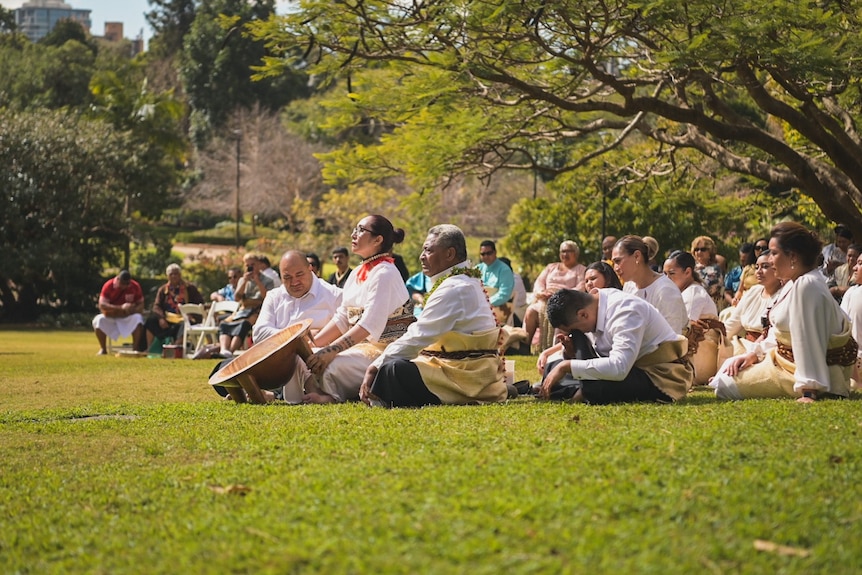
pixel 207 332
pixel 189 332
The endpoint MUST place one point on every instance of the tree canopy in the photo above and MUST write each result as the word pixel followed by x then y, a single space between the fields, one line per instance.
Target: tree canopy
pixel 767 90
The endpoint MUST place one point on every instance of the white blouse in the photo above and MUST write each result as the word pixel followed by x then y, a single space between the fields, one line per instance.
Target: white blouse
pixel 382 293
pixel 698 302
pixel 851 303
pixel 665 296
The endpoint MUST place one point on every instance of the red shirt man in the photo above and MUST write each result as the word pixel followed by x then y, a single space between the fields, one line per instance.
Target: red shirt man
pixel 121 302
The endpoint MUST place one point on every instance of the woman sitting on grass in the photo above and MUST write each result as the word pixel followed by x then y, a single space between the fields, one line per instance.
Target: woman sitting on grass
pixel 631 258
pixel 744 324
pixel 808 352
pixel 375 310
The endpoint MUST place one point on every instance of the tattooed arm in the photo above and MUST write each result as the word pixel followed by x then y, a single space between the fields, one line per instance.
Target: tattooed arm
pixel 320 360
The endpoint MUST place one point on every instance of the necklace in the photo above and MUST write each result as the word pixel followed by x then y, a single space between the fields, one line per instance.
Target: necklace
pixel 368 263
pixel 471 272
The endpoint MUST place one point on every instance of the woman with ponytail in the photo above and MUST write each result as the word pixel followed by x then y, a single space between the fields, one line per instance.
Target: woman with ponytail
pixel 375 310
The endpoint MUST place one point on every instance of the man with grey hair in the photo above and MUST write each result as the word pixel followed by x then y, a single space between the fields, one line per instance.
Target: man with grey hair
pixel 449 355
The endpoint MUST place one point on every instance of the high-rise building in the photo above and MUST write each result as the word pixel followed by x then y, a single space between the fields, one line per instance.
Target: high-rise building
pixel 36 18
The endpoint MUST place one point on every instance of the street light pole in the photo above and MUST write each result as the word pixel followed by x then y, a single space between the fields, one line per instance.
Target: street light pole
pixel 238 135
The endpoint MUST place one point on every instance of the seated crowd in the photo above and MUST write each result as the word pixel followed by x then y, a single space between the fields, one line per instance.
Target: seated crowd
pixel 634 326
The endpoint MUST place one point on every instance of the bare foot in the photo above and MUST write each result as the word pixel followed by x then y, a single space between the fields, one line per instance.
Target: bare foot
pixel 268 396
pixel 805 400
pixel 102 352
pixel 317 398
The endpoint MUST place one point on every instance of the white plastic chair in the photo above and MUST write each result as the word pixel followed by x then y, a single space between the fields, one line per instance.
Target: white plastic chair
pixel 189 333
pixel 206 332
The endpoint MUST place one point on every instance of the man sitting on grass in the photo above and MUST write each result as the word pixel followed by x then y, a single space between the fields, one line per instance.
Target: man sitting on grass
pixel 301 295
pixel 449 355
pixel 637 355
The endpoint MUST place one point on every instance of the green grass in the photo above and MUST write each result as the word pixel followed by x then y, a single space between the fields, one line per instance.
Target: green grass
pixel 114 465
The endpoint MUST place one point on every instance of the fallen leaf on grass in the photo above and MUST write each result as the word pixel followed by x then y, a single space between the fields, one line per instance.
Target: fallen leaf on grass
pixel 772 547
pixel 230 489
pixel 262 534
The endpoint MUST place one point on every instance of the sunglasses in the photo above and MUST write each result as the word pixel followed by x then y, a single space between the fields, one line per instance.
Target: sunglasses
pixel 760 248
pixel 701 249
pixel 483 254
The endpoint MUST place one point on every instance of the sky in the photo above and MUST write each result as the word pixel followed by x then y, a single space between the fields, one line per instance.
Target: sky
pixel 129 12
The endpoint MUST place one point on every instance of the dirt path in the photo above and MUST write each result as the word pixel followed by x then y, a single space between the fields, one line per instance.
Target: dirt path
pixel 191 252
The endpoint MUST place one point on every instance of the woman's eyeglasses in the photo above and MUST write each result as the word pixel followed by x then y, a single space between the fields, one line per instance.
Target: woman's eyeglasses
pixel 701 249
pixel 760 248
pixel 359 230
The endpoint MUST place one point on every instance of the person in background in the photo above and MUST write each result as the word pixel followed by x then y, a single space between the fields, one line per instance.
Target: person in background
pixel 710 268
pixel 165 320
pixel 741 277
pixel 835 254
pixel 227 292
pixel 566 273
pixel 250 291
pixel 706 331
pixel 266 269
pixel 314 261
pixel 498 279
pixel 341 259
pixel 417 286
pixel 121 303
pixel 519 296
pixel 679 267
pixel 608 243
pixel 601 275
pixel 844 276
pixel 401 266
pixel 744 323
pixel 449 355
pixel 851 304
pixel 808 352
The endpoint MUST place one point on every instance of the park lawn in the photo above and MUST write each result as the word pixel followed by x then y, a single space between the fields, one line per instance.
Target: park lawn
pixel 111 465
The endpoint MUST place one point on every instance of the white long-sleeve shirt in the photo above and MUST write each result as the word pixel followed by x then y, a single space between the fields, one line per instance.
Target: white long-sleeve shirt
pixel 381 294
pixel 280 309
pixel 458 304
pixel 627 328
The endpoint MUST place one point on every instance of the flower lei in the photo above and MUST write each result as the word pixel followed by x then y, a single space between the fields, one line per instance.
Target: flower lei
pixel 471 272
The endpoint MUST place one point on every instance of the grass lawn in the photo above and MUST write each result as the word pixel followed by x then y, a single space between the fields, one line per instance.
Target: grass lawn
pixel 112 465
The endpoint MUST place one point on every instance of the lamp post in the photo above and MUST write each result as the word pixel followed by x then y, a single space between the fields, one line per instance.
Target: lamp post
pixel 238 135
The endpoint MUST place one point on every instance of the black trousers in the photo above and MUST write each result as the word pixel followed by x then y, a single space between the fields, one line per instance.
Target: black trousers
pixel 399 384
pixel 635 387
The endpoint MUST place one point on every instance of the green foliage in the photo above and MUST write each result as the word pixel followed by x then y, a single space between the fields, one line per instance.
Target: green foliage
pixel 68 31
pixel 62 177
pixel 767 90
pixel 37 75
pixel 170 20
pixel 99 452
pixel 216 65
